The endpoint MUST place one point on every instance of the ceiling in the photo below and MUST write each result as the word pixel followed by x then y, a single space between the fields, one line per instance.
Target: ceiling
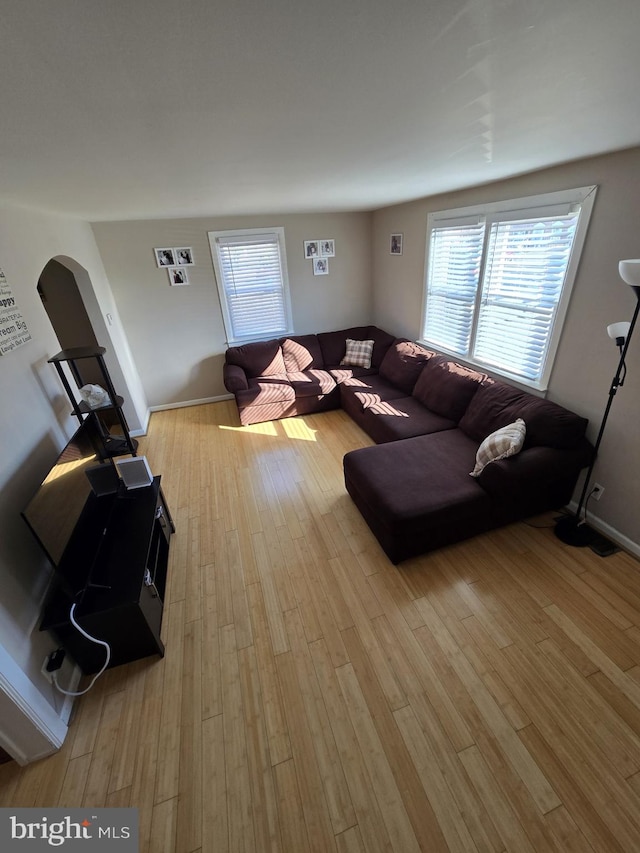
pixel 132 109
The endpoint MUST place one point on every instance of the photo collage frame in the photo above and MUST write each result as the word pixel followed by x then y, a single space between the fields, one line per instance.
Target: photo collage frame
pixel 175 261
pixel 319 252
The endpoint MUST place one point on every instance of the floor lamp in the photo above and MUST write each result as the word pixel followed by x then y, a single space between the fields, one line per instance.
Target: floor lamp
pixel 573 529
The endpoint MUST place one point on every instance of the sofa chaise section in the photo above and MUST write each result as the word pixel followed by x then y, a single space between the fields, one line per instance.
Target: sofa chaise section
pixel 418 494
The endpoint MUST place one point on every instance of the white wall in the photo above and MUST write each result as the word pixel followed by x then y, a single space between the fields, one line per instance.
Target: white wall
pixel 35 418
pixel 587 359
pixel 176 333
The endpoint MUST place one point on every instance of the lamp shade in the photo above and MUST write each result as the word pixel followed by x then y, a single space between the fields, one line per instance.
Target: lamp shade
pixel 630 271
pixel 618 330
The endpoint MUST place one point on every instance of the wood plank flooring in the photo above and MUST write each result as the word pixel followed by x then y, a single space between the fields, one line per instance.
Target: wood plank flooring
pixel 313 697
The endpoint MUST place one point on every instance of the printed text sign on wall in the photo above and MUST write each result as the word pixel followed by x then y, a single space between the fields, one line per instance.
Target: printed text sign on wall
pixel 13 329
pixel 84 830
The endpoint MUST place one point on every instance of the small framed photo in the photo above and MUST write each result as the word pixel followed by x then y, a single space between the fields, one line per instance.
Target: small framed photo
pixel 184 256
pixel 327 248
pixel 178 275
pixel 320 266
pixel 165 257
pixel 395 245
pixel 311 248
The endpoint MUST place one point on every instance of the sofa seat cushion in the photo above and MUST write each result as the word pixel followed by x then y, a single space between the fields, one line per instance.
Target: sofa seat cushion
pixel 392 420
pixel 344 374
pixel 497 404
pixel 266 390
pixel 308 383
pixel 261 358
pixel 447 388
pixel 301 352
pixel 266 399
pixel 433 471
pixel 417 494
pixel 403 363
pixel 365 391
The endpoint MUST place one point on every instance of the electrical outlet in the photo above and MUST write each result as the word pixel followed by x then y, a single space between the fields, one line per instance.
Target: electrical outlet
pixel 597 492
pixel 52 663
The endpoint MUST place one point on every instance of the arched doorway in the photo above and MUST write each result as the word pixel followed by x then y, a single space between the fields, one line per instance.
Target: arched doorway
pixel 78 320
pixel 61 299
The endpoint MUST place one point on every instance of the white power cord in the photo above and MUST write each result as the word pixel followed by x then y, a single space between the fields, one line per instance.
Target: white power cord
pixel 93 640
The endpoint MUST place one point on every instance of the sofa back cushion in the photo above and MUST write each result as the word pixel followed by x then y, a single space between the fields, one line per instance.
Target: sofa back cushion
pixel 446 387
pixel 334 344
pixel 491 411
pixel 497 404
pixel 381 342
pixel 301 352
pixel 261 358
pixel 403 363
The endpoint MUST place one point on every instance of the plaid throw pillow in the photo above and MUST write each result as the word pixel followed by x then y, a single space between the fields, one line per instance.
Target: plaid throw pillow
pixel 504 442
pixel 358 353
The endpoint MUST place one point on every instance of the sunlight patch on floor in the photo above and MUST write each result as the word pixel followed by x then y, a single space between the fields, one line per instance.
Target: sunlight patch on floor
pixel 267 428
pixel 297 428
pixel 292 428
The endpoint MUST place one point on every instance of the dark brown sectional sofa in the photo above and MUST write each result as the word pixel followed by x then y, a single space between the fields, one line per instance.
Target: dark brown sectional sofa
pixel 428 415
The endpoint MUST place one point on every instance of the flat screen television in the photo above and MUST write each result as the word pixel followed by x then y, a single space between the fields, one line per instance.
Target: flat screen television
pixel 82 483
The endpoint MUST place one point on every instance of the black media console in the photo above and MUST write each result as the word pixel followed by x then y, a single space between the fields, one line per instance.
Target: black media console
pixel 122 542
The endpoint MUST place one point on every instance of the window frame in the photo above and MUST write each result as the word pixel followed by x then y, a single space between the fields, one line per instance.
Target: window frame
pixel 272 231
pixel 528 207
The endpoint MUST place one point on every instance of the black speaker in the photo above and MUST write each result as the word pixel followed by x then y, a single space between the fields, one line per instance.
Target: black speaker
pixel 103 479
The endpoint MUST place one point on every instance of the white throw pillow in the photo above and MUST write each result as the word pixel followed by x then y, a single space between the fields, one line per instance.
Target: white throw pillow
pixel 358 353
pixel 504 442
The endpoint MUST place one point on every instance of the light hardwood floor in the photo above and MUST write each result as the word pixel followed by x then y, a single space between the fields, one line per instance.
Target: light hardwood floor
pixel 485 697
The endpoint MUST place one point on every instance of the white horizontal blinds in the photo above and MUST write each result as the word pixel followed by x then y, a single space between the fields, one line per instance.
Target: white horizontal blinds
pixel 253 284
pixel 525 271
pixel 455 254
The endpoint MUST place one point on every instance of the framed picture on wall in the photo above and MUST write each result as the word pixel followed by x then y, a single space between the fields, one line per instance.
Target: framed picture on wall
pixel 184 256
pixel 165 257
pixel 311 248
pixel 327 248
pixel 320 266
pixel 395 244
pixel 178 275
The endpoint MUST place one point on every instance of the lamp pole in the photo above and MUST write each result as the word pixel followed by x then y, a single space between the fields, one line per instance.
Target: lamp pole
pixel 574 530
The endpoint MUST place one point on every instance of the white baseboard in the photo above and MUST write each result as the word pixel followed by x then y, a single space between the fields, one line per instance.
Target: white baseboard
pixel 31 726
pixel 186 403
pixel 610 532
pixel 136 433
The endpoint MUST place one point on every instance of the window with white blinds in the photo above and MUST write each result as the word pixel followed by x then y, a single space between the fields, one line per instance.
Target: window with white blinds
pixel 498 281
pixel 250 268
